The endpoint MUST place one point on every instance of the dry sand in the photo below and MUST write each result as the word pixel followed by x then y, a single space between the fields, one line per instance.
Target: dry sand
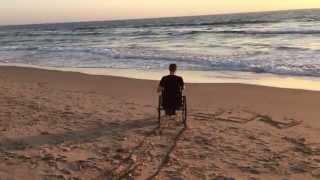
pixel 63 125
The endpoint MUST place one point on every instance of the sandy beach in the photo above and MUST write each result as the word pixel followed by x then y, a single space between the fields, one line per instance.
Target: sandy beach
pixel 68 125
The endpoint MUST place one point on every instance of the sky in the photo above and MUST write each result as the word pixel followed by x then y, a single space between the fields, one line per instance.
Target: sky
pixel 45 11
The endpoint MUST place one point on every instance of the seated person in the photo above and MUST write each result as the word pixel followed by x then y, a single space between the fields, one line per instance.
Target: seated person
pixel 171 87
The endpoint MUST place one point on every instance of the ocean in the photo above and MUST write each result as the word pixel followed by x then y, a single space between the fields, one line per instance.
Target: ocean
pixel 282 43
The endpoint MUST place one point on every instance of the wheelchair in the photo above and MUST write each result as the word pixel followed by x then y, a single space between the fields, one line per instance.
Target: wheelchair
pixel 182 109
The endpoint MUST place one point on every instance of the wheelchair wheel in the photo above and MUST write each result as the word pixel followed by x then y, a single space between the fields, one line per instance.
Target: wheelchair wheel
pixel 159 110
pixel 184 110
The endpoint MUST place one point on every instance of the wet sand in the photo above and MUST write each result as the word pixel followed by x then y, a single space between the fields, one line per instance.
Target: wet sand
pixel 67 125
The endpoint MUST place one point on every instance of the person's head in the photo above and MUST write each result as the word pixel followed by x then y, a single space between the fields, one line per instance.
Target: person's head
pixel 172 68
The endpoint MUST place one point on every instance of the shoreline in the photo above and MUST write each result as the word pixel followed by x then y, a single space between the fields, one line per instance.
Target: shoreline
pixel 199 77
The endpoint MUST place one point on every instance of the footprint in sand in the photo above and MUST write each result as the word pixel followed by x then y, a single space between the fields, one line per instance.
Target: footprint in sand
pixel 235 116
pixel 285 123
pixel 223 178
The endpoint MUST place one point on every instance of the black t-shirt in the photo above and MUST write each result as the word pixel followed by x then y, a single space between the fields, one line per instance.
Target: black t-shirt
pixel 172 84
pixel 172 91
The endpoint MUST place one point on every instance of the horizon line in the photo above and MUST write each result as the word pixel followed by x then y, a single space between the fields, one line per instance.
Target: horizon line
pixel 150 18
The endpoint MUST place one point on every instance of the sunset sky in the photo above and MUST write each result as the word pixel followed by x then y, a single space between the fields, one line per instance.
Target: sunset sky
pixel 41 11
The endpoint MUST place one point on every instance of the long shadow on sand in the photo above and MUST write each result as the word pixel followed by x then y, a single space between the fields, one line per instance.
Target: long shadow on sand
pixel 86 135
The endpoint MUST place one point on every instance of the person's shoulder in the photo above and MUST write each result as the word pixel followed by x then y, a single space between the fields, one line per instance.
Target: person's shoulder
pixel 165 77
pixel 179 77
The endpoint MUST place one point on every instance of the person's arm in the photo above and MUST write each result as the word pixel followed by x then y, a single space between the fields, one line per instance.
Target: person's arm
pixel 182 84
pixel 160 87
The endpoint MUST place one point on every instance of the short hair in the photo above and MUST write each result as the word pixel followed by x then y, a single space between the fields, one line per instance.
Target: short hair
pixel 173 67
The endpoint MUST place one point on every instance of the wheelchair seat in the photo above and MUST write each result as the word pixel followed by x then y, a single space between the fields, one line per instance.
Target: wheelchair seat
pixel 178 106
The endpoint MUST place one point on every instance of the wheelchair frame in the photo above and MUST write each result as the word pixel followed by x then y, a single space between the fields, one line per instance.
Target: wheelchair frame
pixel 182 108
